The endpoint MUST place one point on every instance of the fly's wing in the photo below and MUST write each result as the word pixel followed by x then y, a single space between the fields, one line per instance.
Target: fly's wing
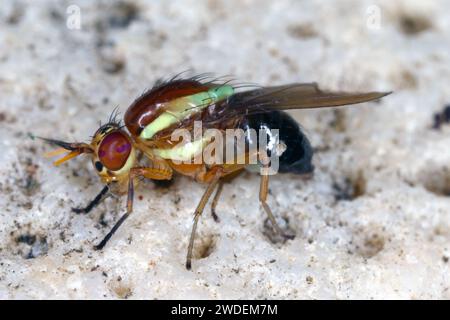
pixel 292 96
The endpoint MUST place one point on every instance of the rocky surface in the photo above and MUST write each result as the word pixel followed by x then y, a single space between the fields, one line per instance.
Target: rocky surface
pixel 373 222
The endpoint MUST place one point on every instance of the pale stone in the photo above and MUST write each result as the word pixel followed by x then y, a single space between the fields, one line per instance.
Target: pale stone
pixel 391 241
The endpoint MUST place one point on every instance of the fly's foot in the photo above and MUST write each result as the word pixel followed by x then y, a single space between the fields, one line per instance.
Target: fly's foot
pixel 276 234
pixel 99 246
pixel 214 215
pixel 80 210
pixel 288 236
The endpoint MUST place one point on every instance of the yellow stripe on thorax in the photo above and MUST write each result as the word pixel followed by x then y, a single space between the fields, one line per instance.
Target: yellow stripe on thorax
pixel 181 108
pixel 184 152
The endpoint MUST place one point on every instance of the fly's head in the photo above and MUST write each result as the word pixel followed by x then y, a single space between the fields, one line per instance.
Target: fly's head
pixel 111 150
pixel 114 154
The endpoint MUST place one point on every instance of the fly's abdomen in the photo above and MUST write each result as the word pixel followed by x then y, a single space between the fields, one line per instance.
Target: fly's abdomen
pixel 296 156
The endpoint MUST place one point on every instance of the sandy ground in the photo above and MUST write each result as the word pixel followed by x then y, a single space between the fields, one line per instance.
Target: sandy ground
pixel 373 222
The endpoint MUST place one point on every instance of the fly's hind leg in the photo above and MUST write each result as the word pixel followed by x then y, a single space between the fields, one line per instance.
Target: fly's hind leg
pixel 263 191
pixel 97 200
pixel 198 212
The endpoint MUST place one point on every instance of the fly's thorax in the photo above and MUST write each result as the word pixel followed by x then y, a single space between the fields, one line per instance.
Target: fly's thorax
pixel 155 116
pixel 180 109
pixel 171 96
pixel 149 106
pixel 114 154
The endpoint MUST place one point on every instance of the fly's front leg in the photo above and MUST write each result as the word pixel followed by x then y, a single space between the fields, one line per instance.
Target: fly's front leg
pixel 198 213
pixel 97 200
pixel 124 216
pixel 151 173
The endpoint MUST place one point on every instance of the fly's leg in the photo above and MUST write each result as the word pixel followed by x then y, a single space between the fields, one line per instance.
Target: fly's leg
pixel 123 217
pixel 215 201
pixel 150 173
pixel 233 173
pixel 97 200
pixel 198 213
pixel 263 191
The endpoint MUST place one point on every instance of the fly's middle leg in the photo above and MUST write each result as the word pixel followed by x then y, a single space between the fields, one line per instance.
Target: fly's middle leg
pixel 198 212
pixel 215 201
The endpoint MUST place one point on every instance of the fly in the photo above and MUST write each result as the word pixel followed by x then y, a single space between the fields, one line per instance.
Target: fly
pixel 150 121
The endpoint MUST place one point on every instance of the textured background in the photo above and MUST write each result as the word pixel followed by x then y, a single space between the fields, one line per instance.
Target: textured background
pixel 373 222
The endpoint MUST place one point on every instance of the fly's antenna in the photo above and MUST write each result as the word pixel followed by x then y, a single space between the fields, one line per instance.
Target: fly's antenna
pixel 71 149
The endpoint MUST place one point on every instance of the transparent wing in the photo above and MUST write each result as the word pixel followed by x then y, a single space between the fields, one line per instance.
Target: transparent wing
pixel 292 96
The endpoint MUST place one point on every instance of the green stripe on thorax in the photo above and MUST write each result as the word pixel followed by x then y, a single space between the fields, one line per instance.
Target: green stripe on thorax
pixel 181 108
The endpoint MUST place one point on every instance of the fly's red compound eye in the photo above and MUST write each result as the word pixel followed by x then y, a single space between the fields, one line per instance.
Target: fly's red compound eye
pixel 114 150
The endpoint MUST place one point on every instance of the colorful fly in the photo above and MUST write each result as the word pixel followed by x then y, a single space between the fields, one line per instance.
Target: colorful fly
pixel 180 103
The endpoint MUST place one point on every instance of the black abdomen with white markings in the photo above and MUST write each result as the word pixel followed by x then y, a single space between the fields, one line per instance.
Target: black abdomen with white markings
pixel 296 149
